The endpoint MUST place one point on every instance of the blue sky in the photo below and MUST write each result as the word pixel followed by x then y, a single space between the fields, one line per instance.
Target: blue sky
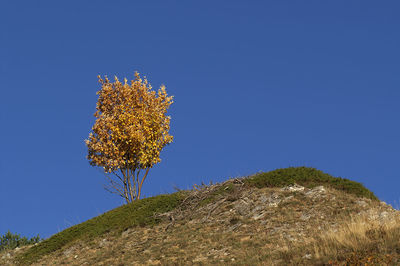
pixel 258 85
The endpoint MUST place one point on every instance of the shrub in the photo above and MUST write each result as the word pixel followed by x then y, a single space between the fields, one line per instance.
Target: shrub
pixel 11 241
pixel 308 177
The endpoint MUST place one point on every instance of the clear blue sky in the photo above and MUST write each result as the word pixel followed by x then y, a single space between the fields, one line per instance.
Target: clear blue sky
pixel 258 85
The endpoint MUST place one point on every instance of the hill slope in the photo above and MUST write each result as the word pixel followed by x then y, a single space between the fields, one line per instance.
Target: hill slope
pixel 287 216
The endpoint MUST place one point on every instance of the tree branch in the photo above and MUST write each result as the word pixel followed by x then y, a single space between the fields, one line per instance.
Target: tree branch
pixel 141 183
pixel 114 185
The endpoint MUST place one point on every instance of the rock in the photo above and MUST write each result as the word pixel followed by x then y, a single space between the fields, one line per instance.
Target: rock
pixel 361 203
pixel 307 256
pixel 242 207
pixel 6 256
pixel 68 251
pixel 293 188
pixel 316 192
pixel 258 216
pixel 274 200
pixel 263 199
pixel 274 204
pixel 103 243
pixel 258 208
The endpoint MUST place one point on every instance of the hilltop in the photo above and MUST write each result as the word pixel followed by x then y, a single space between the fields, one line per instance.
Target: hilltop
pixel 291 216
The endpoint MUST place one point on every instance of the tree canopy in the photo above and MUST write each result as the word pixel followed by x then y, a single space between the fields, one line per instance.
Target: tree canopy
pixel 129 133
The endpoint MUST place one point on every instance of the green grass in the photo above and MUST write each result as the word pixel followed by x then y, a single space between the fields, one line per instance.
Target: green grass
pixel 308 177
pixel 139 213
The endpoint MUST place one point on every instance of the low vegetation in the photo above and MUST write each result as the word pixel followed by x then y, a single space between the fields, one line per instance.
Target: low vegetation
pixel 308 177
pixel 361 240
pixel 140 213
pixel 11 241
pixel 358 240
pixel 248 220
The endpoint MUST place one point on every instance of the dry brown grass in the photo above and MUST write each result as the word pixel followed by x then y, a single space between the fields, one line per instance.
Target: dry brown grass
pixel 230 223
pixel 362 239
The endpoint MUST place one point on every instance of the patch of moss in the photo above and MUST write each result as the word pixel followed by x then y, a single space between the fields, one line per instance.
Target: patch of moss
pixel 308 177
pixel 139 213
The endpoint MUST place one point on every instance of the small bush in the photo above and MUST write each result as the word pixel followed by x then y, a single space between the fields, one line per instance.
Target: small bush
pixel 308 177
pixel 11 241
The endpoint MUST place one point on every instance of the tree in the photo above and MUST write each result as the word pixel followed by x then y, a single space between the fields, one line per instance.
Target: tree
pixel 129 133
pixel 11 241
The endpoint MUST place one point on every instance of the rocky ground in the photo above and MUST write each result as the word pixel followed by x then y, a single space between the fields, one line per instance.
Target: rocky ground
pixel 230 224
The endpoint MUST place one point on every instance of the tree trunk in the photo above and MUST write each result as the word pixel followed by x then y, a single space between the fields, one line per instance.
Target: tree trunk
pixel 141 183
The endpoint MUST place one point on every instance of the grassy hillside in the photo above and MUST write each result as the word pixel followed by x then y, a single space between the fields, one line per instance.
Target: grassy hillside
pixel 147 213
pixel 140 213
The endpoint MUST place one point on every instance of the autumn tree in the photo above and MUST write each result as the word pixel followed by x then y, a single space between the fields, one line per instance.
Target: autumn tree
pixel 129 133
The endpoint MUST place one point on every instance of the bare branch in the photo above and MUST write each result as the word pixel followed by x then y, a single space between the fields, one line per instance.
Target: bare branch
pixel 114 183
pixel 115 173
pixel 214 208
pixel 112 190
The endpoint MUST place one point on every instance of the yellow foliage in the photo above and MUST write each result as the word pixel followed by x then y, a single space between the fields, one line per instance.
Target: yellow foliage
pixel 131 127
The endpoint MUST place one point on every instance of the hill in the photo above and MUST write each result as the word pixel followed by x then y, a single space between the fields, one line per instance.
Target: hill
pixel 291 216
